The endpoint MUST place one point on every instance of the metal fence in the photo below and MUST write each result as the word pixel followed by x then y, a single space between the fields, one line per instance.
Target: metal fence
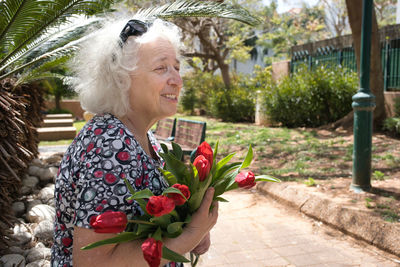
pixel 340 52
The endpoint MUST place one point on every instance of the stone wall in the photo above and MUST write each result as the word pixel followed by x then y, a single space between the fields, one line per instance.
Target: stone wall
pixel 280 69
pixel 389 102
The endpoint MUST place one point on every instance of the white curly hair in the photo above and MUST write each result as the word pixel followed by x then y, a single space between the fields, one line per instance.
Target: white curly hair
pixel 102 67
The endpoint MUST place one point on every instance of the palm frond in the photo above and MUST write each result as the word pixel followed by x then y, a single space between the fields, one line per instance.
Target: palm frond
pixel 34 19
pixel 53 39
pixel 62 52
pixel 192 8
pixel 38 76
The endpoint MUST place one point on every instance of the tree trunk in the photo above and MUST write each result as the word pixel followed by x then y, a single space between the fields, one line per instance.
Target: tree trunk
pixel 57 99
pixel 376 76
pixel 225 74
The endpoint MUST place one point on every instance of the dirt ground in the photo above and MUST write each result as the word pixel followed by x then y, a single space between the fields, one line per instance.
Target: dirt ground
pixel 383 200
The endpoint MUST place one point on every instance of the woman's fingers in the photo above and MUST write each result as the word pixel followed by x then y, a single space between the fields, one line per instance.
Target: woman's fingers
pixel 207 200
pixel 203 246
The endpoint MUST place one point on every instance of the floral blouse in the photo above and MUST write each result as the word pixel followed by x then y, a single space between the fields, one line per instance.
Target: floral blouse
pixel 90 179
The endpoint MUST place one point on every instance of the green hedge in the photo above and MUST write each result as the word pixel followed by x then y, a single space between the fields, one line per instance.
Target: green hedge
pixel 311 98
pixel 206 93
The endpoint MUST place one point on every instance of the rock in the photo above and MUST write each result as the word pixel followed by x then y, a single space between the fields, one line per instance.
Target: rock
pixel 25 190
pixel 18 208
pixel 30 181
pixel 36 254
pixel 47 193
pixel 15 250
pixel 33 203
pixel 48 174
pixel 11 260
pixel 21 234
pixel 44 230
pixel 51 202
pixel 34 170
pixel 36 162
pixel 40 245
pixel 54 160
pixel 40 213
pixel 39 263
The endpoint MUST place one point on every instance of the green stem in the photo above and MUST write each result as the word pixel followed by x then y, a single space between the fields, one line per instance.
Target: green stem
pixel 141 222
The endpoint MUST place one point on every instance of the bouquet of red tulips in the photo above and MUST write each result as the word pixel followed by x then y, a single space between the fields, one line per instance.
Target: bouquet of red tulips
pixel 166 215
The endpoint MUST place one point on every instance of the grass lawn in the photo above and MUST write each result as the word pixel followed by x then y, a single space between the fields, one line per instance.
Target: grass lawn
pixel 318 158
pixel 293 154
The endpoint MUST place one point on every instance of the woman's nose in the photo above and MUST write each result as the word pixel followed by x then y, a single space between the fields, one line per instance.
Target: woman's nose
pixel 175 79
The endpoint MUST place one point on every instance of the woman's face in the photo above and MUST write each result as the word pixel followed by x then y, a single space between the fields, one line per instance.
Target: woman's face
pixel 156 83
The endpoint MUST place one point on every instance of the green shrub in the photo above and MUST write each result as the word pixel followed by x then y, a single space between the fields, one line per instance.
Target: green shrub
pixel 397 107
pixel 58 111
pixel 206 93
pixel 392 125
pixel 197 88
pixel 311 98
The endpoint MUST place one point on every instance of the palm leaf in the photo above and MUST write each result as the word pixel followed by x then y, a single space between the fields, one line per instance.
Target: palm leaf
pixel 34 18
pixel 47 42
pixel 65 51
pixel 191 8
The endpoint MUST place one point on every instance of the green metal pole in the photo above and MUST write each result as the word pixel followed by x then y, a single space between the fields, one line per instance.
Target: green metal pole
pixel 363 106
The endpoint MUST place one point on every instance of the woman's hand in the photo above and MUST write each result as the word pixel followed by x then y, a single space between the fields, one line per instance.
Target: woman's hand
pixel 206 216
pixel 197 230
pixel 203 246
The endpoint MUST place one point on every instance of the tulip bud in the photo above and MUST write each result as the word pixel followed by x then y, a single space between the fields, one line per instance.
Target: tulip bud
pixel 245 180
pixel 109 222
pixel 159 205
pixel 177 198
pixel 203 167
pixel 152 251
pixel 205 150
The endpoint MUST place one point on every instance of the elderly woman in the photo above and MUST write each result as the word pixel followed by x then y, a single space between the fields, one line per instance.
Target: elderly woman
pixel 127 74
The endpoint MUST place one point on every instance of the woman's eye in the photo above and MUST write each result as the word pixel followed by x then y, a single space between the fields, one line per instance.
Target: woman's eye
pixel 160 68
pixel 177 68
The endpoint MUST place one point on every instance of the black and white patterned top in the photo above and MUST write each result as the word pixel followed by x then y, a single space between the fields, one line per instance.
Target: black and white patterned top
pixel 90 179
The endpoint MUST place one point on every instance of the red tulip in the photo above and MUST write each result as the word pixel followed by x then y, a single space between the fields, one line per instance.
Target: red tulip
pixel 245 180
pixel 109 222
pixel 152 251
pixel 177 198
pixel 205 150
pixel 159 205
pixel 203 166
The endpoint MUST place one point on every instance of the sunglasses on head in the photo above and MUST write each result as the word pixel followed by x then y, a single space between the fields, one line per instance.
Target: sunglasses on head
pixel 134 27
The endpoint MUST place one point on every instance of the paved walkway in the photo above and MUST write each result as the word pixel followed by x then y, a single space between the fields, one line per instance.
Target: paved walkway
pixel 254 230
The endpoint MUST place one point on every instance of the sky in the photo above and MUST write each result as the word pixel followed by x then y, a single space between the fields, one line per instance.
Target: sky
pixel 285 5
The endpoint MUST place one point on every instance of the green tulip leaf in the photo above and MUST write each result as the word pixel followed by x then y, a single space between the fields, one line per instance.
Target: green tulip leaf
pixel 171 179
pixel 162 221
pixel 145 229
pixel 164 148
pixel 129 186
pixel 173 190
pixel 215 152
pixel 225 170
pixel 194 182
pixel 175 166
pixel 157 235
pixel 267 178
pixel 177 150
pixel 120 238
pixel 172 256
pixel 145 193
pixel 247 160
pixel 221 199
pixel 175 227
pixel 232 186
